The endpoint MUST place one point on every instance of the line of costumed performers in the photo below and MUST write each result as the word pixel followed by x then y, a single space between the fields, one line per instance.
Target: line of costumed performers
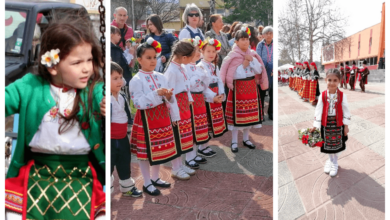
pixel 304 80
pixel 350 75
pixel 180 111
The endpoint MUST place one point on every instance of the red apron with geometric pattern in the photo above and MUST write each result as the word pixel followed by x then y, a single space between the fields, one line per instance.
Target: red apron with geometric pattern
pixel 313 89
pixel 200 129
pixel 216 116
pixel 300 89
pixel 290 82
pixel 243 107
pixel 152 137
pixel 185 138
pixel 306 89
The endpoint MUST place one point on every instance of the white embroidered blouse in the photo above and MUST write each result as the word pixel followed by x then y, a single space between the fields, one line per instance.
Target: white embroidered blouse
pixel 332 100
pixel 48 140
pixel 118 110
pixel 253 68
pixel 178 79
pixel 210 67
pixel 143 91
pixel 199 81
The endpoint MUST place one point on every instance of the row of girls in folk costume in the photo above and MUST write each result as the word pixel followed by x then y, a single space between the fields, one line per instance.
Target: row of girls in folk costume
pixel 182 110
pixel 349 75
pixel 304 80
pixel 283 77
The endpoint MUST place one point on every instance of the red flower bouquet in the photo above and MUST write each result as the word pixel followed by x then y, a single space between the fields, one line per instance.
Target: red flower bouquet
pixel 312 139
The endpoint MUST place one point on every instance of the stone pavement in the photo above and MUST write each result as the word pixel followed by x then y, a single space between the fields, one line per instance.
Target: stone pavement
pixel 358 191
pixel 228 186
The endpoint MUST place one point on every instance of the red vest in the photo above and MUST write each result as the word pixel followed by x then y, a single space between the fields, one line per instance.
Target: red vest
pixel 339 108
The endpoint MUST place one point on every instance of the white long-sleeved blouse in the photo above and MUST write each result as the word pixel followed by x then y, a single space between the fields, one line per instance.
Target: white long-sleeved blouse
pixel 143 91
pixel 253 68
pixel 199 81
pixel 210 67
pixel 332 100
pixel 178 79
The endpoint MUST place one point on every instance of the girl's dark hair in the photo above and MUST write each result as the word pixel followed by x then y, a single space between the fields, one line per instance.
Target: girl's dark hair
pixel 341 64
pixel 237 28
pixel 353 62
pixel 241 34
pixel 157 22
pixel 181 48
pixel 253 40
pixel 215 61
pixel 232 28
pixel 67 30
pixel 116 68
pixel 213 19
pixel 115 30
pixel 335 72
pixel 141 50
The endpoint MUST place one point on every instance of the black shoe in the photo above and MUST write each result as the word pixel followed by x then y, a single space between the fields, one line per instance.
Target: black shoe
pixel 234 150
pixel 271 117
pixel 211 151
pixel 192 166
pixel 251 146
pixel 164 185
pixel 155 192
pixel 202 160
pixel 208 154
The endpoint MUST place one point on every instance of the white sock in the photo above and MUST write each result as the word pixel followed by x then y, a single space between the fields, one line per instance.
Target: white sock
pixel 331 157
pixel 234 138
pixel 155 172
pixel 176 164
pixel 201 147
pixel 246 136
pixel 190 156
pixel 126 185
pixel 145 170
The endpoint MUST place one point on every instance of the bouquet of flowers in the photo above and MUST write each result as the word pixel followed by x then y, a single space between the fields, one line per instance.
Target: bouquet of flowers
pixel 312 139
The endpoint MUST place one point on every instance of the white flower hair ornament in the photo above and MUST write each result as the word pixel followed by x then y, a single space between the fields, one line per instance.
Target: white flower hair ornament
pixel 50 58
pixel 215 43
pixel 197 42
pixel 155 44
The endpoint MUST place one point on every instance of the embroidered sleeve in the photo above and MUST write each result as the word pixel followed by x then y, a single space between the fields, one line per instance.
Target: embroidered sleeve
pixel 256 66
pixel 346 113
pixel 141 99
pixel 173 108
pixel 221 87
pixel 318 113
pixel 170 76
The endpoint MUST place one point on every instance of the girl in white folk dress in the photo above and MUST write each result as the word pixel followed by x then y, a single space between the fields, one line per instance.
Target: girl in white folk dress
pixel 332 116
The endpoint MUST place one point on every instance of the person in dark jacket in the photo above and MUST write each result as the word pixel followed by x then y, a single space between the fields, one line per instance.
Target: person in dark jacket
pixel 155 27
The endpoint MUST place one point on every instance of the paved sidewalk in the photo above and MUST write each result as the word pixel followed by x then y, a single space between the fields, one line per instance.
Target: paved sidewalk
pixel 358 191
pixel 229 186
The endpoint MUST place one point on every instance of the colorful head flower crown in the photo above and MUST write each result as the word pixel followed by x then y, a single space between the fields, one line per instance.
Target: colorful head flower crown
pixel 50 58
pixel 197 42
pixel 246 29
pixel 155 44
pixel 133 41
pixel 215 43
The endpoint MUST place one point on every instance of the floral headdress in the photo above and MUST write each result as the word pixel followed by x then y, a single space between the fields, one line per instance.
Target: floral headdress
pixel 50 58
pixel 247 30
pixel 155 44
pixel 215 43
pixel 133 41
pixel 197 42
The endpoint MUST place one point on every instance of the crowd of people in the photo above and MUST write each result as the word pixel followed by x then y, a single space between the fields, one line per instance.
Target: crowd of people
pixel 187 91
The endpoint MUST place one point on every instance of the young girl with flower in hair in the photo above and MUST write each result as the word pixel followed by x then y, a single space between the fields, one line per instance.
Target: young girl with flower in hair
pixel 332 116
pixel 152 138
pixel 183 53
pixel 57 170
pixel 240 71
pixel 215 112
pixel 314 85
pixel 306 82
pixel 199 87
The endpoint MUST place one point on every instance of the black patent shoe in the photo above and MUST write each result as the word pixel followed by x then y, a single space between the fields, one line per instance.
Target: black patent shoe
pixel 208 154
pixel 192 166
pixel 202 160
pixel 211 150
pixel 155 192
pixel 251 146
pixel 164 185
pixel 234 150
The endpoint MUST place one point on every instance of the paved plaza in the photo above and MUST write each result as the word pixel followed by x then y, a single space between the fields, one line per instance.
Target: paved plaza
pixel 357 192
pixel 229 186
